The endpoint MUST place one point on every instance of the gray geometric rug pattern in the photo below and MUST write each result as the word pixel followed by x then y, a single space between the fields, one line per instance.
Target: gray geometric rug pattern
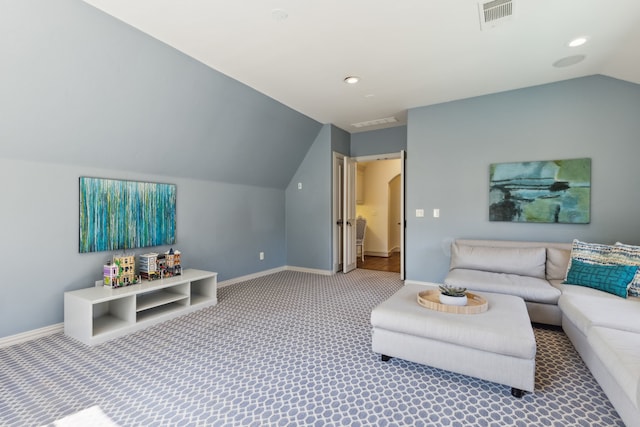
pixel 288 349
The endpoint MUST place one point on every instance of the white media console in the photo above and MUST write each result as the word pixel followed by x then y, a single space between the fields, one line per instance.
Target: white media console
pixel 98 314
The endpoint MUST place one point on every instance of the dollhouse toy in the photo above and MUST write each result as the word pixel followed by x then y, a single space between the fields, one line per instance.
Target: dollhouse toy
pixel 148 266
pixel 120 271
pixel 154 266
pixel 172 263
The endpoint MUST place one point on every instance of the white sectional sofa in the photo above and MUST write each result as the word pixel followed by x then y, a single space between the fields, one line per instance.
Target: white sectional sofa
pixel 533 271
pixel 604 328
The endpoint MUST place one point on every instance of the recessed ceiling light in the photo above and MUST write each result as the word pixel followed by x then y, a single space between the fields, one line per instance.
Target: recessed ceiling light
pixel 351 80
pixel 579 41
pixel 279 14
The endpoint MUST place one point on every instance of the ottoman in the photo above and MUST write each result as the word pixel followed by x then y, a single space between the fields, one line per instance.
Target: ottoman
pixel 497 345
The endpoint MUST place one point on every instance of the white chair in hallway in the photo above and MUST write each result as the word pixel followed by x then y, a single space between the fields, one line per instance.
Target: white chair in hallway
pixel 361 231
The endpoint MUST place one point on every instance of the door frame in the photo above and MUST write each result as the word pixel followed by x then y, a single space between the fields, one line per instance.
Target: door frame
pixel 337 201
pixel 336 220
pixel 349 257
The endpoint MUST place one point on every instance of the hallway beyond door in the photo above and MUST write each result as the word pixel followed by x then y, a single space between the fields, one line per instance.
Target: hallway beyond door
pixel 379 263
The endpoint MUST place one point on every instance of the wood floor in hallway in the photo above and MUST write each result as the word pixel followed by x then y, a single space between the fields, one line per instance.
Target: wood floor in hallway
pixel 379 263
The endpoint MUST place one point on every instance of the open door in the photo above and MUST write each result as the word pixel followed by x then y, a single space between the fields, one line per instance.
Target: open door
pixel 349 216
pixel 338 211
pixel 403 220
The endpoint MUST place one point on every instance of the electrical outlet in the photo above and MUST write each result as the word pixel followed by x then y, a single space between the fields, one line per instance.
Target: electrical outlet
pixel 436 213
pixel 419 213
pixel 261 256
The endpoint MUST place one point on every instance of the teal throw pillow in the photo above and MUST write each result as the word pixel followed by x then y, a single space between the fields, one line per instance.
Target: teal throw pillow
pixel 614 279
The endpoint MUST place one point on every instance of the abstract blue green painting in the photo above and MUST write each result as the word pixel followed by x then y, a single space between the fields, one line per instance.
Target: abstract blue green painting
pixel 117 214
pixel 553 191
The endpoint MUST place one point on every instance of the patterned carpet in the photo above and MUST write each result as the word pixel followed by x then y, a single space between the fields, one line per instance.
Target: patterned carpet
pixel 289 349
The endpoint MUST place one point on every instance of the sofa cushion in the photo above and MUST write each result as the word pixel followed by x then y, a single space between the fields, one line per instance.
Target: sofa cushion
pixel 619 352
pixel 530 289
pixel 557 263
pixel 521 261
pixel 614 279
pixel 586 307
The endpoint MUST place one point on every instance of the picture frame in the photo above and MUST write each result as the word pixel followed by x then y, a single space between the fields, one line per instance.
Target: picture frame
pixel 122 214
pixel 552 191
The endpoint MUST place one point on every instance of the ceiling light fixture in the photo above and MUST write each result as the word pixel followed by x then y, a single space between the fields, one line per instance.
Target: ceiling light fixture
pixel 579 41
pixel 279 14
pixel 351 80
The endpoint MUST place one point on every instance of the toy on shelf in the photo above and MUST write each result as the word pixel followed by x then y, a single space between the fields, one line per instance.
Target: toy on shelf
pixel 169 263
pixel 148 266
pixel 174 264
pixel 120 271
pixel 154 266
pixel 109 273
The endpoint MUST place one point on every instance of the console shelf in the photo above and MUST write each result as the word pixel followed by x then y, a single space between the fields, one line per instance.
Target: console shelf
pixel 95 315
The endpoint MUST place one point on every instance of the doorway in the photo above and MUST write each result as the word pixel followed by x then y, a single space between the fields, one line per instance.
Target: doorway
pixel 379 185
pixel 379 197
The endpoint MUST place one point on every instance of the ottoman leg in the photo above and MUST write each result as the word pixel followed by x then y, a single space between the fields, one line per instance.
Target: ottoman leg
pixel 385 358
pixel 516 392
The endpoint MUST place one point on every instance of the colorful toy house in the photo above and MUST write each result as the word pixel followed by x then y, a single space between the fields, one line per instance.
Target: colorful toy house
pixel 120 272
pixel 148 266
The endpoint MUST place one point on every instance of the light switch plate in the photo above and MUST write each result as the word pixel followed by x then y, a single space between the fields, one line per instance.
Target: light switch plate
pixel 419 213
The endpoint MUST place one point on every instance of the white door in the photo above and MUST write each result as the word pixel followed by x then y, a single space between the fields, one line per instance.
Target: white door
pixel 338 211
pixel 349 216
pixel 403 226
pixel 394 225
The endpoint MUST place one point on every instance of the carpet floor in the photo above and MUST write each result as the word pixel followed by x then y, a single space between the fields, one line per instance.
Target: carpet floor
pixel 288 349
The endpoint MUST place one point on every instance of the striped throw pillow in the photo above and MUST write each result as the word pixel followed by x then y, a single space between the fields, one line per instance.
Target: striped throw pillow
pixel 600 254
pixel 631 256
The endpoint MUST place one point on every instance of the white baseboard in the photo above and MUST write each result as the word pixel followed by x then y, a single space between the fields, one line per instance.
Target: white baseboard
pixel 378 254
pixel 250 277
pixel 310 270
pixel 417 282
pixel 273 271
pixel 382 254
pixel 31 335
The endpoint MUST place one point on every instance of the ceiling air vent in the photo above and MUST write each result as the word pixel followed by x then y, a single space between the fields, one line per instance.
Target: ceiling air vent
pixel 375 122
pixel 495 12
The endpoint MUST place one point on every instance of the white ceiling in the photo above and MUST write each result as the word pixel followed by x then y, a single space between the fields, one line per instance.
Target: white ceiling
pixel 408 53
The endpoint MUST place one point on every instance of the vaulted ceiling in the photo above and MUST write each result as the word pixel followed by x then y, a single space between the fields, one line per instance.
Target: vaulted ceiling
pixel 407 53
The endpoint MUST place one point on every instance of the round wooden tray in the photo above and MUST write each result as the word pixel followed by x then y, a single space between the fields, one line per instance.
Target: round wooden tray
pixel 431 300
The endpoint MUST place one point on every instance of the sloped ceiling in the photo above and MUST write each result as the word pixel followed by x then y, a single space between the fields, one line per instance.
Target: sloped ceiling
pixel 79 87
pixel 407 53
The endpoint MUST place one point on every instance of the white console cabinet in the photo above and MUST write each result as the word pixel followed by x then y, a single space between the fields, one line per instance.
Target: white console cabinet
pixel 95 315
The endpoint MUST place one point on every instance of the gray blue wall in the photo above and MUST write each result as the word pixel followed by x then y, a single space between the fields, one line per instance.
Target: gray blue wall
pixel 383 141
pixel 309 210
pixel 220 227
pixel 450 147
pixel 80 87
pixel 83 94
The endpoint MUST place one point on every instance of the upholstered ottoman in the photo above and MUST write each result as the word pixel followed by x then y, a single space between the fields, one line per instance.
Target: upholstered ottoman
pixel 497 345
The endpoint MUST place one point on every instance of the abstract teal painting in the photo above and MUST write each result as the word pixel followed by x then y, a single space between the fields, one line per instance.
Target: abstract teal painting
pixel 553 191
pixel 117 214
